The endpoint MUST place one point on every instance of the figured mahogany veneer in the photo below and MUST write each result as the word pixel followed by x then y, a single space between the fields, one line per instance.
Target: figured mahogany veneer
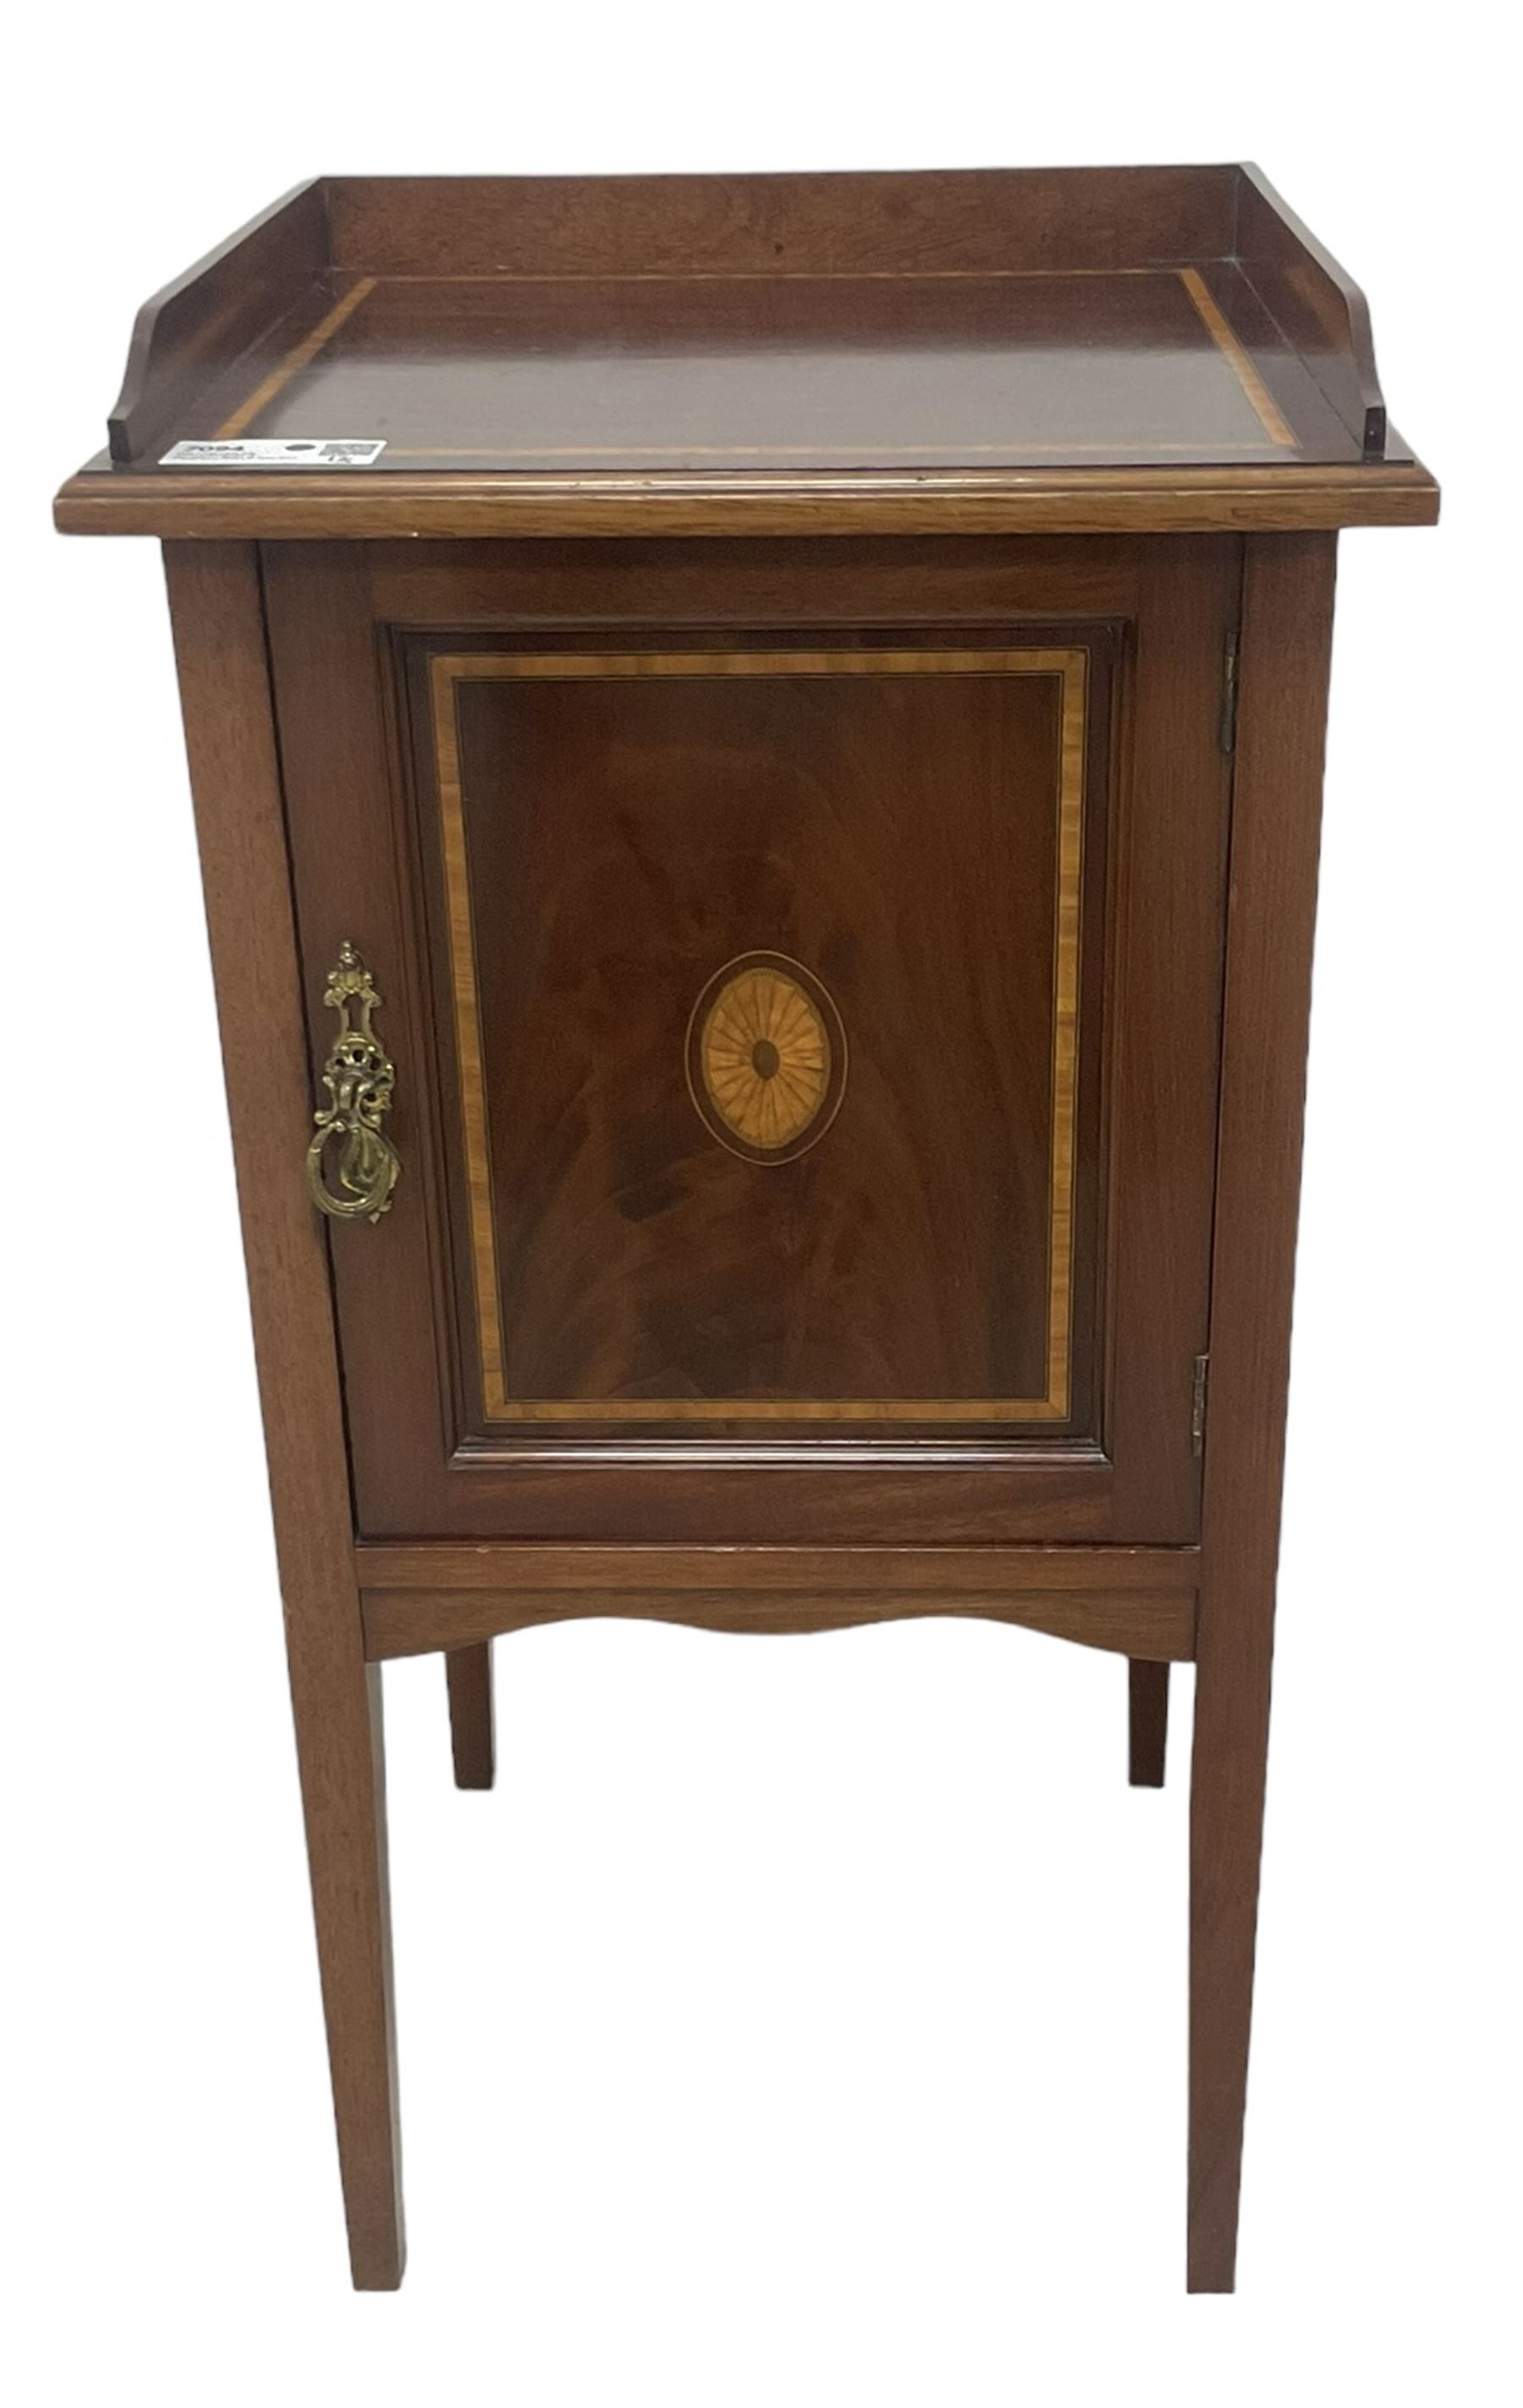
pixel 798 769
pixel 681 788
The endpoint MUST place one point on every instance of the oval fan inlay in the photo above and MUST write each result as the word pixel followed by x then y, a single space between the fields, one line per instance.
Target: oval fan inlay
pixel 766 1057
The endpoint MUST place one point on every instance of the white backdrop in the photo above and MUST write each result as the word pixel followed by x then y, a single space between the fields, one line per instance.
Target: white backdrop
pixel 799 2021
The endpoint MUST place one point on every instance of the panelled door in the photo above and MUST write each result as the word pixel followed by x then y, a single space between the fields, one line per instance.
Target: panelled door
pixel 800 967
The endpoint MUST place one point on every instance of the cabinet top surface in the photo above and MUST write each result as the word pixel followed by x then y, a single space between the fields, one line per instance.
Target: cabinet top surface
pixel 1073 349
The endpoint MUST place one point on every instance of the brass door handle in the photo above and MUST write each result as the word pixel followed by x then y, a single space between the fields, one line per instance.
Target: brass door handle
pixel 359 1079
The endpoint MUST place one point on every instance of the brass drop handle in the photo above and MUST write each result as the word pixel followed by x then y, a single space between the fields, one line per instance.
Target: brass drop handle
pixel 359 1079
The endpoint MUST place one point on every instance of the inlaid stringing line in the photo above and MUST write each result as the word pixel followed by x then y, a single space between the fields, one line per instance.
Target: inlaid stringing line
pixel 767 275
pixel 468 1022
pixel 1258 394
pixel 301 357
pixel 1013 447
pixel 1065 1032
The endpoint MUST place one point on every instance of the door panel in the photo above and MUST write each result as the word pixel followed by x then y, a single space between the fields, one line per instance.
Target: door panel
pixel 805 1036
pixel 765 1038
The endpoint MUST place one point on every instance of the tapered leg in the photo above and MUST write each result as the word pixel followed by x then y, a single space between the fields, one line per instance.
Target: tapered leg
pixel 468 1673
pixel 1148 1722
pixel 1226 1820
pixel 1287 628
pixel 343 1777
pixel 215 596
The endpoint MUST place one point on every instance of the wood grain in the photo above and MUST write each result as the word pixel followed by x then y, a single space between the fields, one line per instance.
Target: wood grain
pixel 1090 351
pixel 726 469
pixel 469 1679
pixel 298 357
pixel 876 1569
pixel 224 692
pixel 1270 417
pixel 1276 809
pixel 1030 280
pixel 690 822
pixel 952 581
pixel 355 844
pixel 1136 1601
pixel 794 371
pixel 1164 995
pixel 1013 502
pixel 418 1621
pixel 953 221
pixel 189 331
pixel 1147 1723
pixel 1316 304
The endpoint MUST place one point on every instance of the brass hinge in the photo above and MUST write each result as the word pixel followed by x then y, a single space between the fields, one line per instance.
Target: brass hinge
pixel 1228 732
pixel 1198 1403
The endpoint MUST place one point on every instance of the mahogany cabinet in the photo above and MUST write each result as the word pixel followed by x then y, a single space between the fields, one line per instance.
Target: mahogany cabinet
pixel 757 745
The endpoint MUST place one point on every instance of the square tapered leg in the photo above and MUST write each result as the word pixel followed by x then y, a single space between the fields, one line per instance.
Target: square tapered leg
pixel 1147 1718
pixel 468 1673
